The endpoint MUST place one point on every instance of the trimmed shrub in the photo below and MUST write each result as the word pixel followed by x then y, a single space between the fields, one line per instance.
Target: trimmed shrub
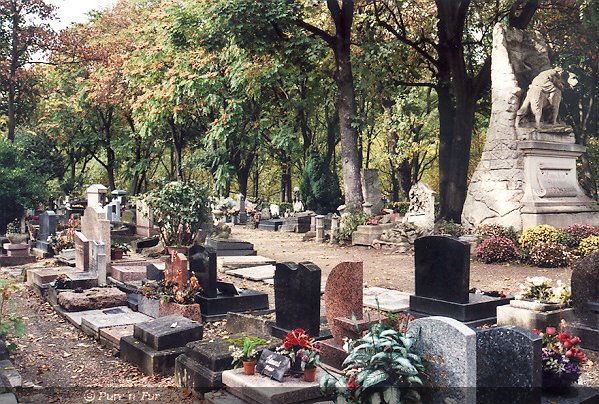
pixel 535 235
pixel 549 254
pixel 484 231
pixel 496 249
pixel 320 186
pixel 588 245
pixel 572 236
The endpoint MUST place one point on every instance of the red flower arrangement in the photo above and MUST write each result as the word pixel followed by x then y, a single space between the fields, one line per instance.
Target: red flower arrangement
pixel 562 360
pixel 297 339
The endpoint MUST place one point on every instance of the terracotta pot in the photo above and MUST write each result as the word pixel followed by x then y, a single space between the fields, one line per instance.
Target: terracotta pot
pixel 309 375
pixel 116 255
pixel 249 368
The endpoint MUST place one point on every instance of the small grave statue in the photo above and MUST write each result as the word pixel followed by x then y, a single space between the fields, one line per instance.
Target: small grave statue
pixel 298 205
pixel 545 91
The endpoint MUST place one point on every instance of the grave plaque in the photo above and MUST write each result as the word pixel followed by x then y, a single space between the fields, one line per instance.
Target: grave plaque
pixel 297 297
pixel 202 262
pixel 273 365
pixel 442 268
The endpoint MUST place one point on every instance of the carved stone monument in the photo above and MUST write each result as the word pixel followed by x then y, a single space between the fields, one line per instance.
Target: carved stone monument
pixel 422 207
pixel 527 172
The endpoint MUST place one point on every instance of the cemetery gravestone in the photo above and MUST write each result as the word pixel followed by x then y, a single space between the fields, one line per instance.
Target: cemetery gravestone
pixel 144 220
pixel 81 252
pixel 230 247
pixel 219 298
pixel 156 344
pixel 343 300
pixel 509 368
pixel 48 225
pixel 371 189
pixel 442 283
pixel 297 298
pixel 585 302
pixel 98 263
pixel 202 262
pixel 273 365
pixel 422 207
pixel 448 350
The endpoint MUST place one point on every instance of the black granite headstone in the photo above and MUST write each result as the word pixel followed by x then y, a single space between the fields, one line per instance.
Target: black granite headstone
pixel 442 268
pixel 297 297
pixel 202 262
pixel 508 365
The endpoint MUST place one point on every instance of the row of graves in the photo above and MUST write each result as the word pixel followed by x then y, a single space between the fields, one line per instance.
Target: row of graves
pixel 153 313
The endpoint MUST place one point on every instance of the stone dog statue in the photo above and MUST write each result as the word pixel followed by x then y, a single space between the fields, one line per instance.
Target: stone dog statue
pixel 545 90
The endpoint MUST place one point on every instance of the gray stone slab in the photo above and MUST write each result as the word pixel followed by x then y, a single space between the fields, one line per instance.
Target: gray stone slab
pixel 92 324
pixel 262 389
pixel 388 299
pixel 76 316
pixel 10 373
pixel 448 349
pixel 258 273
pixel 237 262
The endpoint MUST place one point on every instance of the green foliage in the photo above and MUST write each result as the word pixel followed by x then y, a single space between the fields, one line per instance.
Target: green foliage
pixel 320 186
pixel 572 235
pixel 11 326
pixel 380 368
pixel 349 223
pixel 179 211
pixel 401 207
pixel 448 227
pixel 20 186
pixel 541 289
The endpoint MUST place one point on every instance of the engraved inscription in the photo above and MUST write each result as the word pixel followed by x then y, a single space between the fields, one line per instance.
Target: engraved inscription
pixel 556 182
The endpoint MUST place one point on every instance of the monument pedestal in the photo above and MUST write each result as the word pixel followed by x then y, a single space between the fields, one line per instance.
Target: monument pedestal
pixel 480 309
pixel 552 194
pixel 216 308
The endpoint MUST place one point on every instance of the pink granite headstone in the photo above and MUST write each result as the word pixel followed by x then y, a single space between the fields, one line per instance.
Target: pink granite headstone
pixel 178 270
pixel 343 295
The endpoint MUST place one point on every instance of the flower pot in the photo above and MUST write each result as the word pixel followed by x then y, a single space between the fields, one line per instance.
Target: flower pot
pixel 116 255
pixel 17 238
pixel 296 367
pixel 249 368
pixel 309 374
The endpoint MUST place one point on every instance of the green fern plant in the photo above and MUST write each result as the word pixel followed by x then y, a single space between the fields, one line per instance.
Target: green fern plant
pixel 11 326
pixel 380 368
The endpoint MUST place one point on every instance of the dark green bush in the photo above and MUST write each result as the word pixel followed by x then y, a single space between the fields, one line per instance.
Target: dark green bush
pixel 20 186
pixel 320 186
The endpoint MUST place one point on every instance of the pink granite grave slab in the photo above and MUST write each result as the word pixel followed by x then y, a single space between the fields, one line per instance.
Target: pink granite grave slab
pixel 343 295
pixel 128 273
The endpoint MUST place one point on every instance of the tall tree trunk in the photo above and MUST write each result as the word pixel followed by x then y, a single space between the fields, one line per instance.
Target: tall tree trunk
pixel 342 15
pixel 242 180
pixel 177 137
pixel 346 104
pixel 12 77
